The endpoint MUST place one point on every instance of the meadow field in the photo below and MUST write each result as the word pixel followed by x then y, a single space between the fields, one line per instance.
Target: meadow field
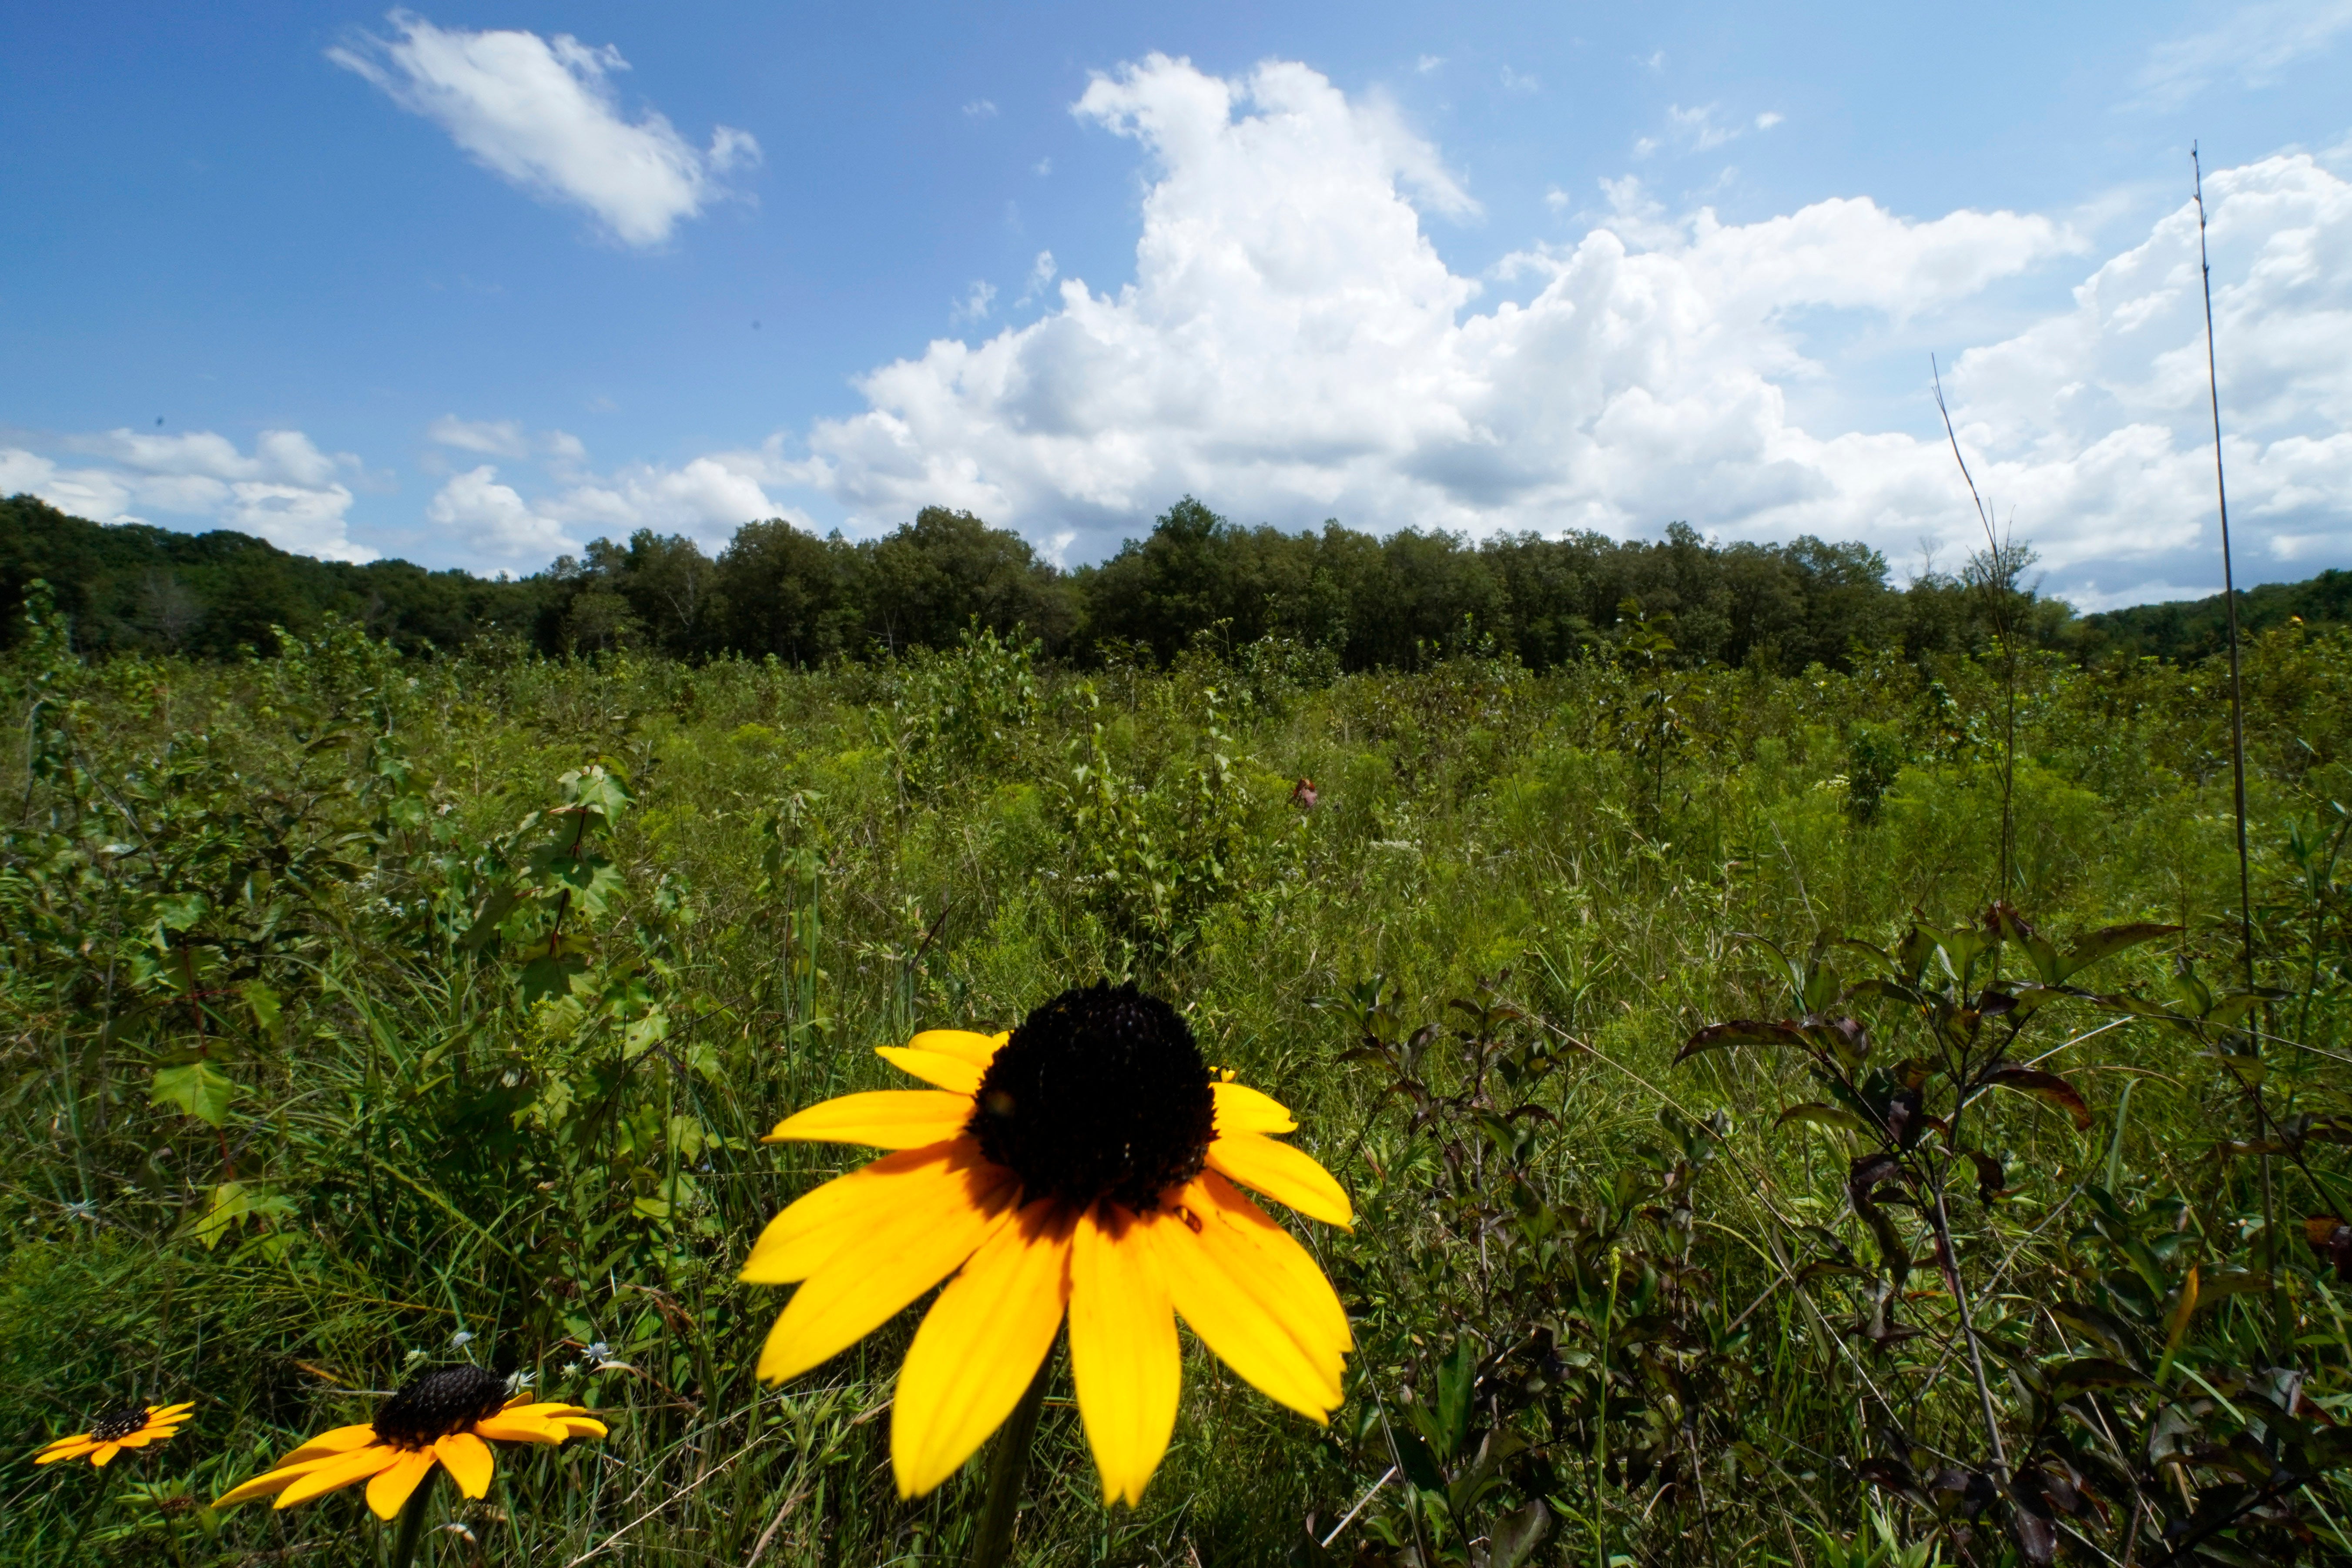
pixel 368 1012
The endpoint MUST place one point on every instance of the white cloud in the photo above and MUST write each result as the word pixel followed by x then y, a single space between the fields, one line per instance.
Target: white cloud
pixel 495 437
pixel 493 520
pixel 1428 63
pixel 980 109
pixel 496 522
pixel 974 305
pixel 1516 81
pixel 1042 167
pixel 1768 119
pixel 285 490
pixel 1293 347
pixel 542 114
pixel 1041 276
pixel 2252 46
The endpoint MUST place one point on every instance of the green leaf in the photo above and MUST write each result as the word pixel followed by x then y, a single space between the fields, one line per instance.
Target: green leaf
pixel 548 978
pixel 1414 1458
pixel 485 928
pixel 1457 1381
pixel 178 911
pixel 199 1088
pixel 2085 1374
pixel 2106 943
pixel 645 1035
pixel 230 1204
pixel 1741 1032
pixel 264 1003
pixel 2046 1087
pixel 1835 1118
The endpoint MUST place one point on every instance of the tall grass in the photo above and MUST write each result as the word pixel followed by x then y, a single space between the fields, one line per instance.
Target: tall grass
pixel 305 1080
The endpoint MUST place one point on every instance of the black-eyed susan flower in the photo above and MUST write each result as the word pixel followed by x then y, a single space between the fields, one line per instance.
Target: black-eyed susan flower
pixel 1085 1163
pixel 134 1427
pixel 441 1418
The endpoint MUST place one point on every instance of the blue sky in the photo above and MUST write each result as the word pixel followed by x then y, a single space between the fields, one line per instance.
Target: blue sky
pixel 476 283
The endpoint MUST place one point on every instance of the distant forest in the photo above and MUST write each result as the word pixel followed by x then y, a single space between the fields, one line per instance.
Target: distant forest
pixel 1392 603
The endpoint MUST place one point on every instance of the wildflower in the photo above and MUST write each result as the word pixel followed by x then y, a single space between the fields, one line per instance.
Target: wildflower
pixel 461 1339
pixel 440 1418
pixel 133 1427
pixel 1085 1163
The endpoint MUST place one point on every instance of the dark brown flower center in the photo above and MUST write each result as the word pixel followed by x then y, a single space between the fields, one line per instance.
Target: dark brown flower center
pixel 439 1403
pixel 1099 1093
pixel 117 1425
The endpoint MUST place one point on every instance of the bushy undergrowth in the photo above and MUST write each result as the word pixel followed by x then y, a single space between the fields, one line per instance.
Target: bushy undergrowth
pixel 364 1013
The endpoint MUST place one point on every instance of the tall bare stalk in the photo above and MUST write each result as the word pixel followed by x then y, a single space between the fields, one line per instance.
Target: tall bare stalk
pixel 1998 576
pixel 2282 1327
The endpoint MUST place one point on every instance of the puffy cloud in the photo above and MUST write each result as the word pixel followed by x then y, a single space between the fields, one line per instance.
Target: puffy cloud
pixel 541 114
pixel 493 522
pixel 1293 347
pixel 285 490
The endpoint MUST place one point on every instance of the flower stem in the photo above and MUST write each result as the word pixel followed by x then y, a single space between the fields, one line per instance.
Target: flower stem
pixel 97 1499
pixel 1008 1465
pixel 412 1520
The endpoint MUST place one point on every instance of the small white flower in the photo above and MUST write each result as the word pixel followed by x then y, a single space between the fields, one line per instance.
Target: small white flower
pixel 415 1355
pixel 598 1350
pixel 517 1382
pixel 460 1340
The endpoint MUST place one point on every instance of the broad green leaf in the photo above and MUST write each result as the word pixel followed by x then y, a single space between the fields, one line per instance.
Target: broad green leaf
pixel 199 1088
pixel 264 1003
pixel 2046 1087
pixel 1835 1118
pixel 544 976
pixel 1742 1031
pixel 229 1204
pixel 2106 943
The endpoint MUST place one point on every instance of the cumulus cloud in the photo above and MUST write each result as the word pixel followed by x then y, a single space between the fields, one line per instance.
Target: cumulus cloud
pixel 1293 347
pixel 285 490
pixel 493 521
pixel 541 114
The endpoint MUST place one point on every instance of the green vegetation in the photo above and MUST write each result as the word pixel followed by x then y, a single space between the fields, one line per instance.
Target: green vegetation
pixel 1359 602
pixel 358 1002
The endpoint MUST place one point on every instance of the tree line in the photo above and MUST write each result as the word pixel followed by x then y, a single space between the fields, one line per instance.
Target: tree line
pixel 1371 603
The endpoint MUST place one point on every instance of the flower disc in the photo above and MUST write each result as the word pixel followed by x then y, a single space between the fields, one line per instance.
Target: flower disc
pixel 117 1425
pixel 1099 1093
pixel 439 1403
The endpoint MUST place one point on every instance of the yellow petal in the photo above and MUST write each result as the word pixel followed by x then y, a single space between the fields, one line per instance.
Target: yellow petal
pixel 1314 1306
pixel 582 1427
pixel 104 1453
pixel 979 1347
pixel 140 1439
pixel 336 1440
pixel 1240 1109
pixel 169 1412
pixel 1282 1174
pixel 967 1045
pixel 901 1252
pixel 1123 1353
pixel 888 1119
pixel 269 1483
pixel 954 1073
pixel 506 1428
pixel 1245 1305
pixel 797 1242
pixel 65 1448
pixel 468 1459
pixel 395 1482
pixel 339 1471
